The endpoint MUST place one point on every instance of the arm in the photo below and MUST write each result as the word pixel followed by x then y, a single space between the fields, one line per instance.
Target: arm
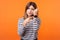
pixel 20 27
pixel 36 23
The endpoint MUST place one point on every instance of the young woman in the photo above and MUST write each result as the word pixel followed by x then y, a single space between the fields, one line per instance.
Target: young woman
pixel 28 25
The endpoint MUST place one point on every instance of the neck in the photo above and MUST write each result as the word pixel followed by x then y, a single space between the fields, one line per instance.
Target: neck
pixel 31 17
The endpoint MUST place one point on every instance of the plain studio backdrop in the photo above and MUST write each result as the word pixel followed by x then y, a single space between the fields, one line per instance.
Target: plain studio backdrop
pixel 12 10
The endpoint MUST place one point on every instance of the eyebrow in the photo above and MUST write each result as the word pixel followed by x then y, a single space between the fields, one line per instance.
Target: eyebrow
pixel 32 8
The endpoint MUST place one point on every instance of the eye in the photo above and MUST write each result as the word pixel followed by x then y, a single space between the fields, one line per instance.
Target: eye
pixel 32 9
pixel 28 9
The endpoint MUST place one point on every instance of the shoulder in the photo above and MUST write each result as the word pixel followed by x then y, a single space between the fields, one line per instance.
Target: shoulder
pixel 21 19
pixel 37 19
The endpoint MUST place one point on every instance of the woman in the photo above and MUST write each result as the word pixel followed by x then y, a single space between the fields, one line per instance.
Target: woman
pixel 28 25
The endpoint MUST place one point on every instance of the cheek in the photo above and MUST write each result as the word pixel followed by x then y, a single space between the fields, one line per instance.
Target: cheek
pixel 28 11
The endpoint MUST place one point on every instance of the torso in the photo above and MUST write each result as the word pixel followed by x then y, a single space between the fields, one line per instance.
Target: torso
pixel 30 34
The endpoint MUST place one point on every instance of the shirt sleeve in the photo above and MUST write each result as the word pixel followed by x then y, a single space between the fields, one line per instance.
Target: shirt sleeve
pixel 20 27
pixel 36 23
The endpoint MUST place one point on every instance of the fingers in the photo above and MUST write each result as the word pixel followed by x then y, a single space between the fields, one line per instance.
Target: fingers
pixel 35 12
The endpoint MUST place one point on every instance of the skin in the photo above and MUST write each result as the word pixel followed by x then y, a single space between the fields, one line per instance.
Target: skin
pixel 29 12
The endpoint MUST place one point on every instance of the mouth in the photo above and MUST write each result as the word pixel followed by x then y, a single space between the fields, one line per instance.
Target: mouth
pixel 30 13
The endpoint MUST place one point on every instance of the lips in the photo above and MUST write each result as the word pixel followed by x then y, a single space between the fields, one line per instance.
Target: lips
pixel 30 13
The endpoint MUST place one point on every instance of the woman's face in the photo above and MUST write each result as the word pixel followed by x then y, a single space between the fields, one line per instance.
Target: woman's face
pixel 30 10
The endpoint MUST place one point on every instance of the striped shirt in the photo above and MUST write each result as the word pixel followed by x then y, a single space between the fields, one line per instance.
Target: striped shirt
pixel 30 31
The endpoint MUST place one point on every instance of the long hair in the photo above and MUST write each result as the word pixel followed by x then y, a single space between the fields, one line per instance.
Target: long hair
pixel 27 6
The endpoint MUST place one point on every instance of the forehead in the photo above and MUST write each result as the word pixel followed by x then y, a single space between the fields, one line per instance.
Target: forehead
pixel 31 7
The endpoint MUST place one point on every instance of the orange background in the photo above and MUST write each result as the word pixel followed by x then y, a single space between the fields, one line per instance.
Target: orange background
pixel 49 13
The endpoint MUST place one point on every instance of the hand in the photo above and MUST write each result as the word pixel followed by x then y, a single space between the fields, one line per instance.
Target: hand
pixel 35 12
pixel 26 21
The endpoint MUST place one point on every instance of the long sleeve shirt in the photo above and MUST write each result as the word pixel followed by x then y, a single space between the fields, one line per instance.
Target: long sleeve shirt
pixel 30 30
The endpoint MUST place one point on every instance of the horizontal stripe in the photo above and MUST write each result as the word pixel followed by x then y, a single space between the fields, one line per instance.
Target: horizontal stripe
pixel 31 28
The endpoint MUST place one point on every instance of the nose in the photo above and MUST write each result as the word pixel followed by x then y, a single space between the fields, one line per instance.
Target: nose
pixel 30 11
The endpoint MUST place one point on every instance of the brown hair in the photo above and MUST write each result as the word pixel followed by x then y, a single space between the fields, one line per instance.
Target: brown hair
pixel 27 6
